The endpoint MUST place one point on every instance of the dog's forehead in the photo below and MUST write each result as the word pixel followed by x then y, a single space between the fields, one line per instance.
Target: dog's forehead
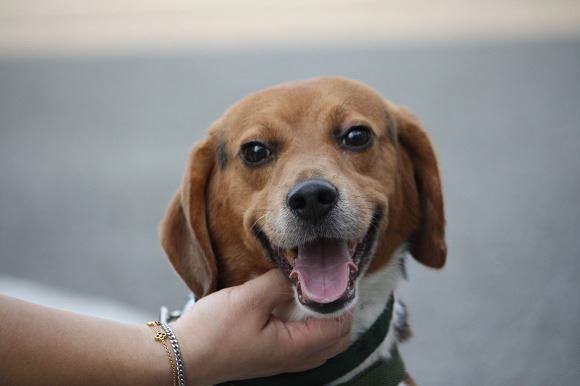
pixel 305 100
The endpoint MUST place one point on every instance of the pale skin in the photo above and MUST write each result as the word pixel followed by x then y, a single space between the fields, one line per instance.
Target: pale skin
pixel 228 335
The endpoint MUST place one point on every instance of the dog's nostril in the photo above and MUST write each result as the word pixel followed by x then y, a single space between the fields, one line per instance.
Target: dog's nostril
pixel 326 197
pixel 297 202
pixel 312 199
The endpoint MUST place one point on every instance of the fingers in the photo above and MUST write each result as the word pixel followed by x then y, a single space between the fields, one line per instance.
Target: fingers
pixel 268 290
pixel 319 334
pixel 320 357
pixel 328 330
pixel 319 340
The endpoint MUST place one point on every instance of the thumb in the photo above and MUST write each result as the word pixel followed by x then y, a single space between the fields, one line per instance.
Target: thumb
pixel 269 290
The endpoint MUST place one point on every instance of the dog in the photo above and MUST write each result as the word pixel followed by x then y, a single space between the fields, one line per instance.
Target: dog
pixel 332 184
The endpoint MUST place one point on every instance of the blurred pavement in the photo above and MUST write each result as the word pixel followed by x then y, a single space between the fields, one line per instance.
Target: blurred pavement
pixel 68 300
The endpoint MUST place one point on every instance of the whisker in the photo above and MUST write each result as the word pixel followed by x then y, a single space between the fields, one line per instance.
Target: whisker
pixel 256 222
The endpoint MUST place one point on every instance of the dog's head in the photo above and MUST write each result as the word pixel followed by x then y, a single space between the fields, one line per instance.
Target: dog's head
pixel 323 179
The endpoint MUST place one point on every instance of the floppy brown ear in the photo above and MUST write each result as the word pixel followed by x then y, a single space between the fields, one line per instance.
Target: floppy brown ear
pixel 184 231
pixel 427 244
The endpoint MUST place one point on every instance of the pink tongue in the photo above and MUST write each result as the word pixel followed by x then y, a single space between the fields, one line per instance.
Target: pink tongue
pixel 322 268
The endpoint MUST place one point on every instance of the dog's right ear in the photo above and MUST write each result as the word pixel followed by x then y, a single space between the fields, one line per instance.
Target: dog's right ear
pixel 428 244
pixel 184 230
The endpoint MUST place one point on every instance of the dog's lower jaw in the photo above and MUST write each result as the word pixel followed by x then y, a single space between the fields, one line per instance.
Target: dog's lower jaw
pixel 373 293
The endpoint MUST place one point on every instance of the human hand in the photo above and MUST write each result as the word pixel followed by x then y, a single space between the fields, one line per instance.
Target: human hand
pixel 231 334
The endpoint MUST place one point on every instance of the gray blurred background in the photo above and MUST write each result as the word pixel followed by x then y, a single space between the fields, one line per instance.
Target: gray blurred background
pixel 99 105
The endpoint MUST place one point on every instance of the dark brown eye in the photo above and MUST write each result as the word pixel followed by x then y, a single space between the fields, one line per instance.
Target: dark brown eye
pixel 255 153
pixel 357 138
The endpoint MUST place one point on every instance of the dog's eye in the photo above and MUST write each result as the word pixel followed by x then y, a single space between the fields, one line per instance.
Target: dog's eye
pixel 357 138
pixel 255 153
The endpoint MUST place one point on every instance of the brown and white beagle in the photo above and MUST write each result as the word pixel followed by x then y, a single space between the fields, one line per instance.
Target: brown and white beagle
pixel 325 180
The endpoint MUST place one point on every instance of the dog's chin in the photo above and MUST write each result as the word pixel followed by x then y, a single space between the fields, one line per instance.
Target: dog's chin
pixel 324 272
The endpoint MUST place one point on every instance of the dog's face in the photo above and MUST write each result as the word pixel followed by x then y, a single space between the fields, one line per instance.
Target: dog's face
pixel 322 179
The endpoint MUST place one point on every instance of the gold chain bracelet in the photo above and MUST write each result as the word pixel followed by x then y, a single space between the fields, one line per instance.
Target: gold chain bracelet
pixel 161 336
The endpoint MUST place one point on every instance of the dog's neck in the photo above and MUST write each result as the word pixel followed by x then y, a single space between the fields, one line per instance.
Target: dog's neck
pixel 374 291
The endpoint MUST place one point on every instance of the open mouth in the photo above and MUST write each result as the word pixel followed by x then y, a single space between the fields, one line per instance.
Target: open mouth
pixel 324 270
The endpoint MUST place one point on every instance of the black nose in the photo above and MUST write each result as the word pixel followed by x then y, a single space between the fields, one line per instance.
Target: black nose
pixel 312 199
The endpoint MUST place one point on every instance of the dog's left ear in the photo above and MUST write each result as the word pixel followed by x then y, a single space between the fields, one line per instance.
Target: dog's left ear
pixel 184 231
pixel 427 244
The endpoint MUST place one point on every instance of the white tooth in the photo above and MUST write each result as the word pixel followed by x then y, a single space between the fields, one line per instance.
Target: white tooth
pixel 290 253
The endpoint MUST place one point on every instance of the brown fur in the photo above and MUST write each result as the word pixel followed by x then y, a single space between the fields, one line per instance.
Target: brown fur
pixel 207 229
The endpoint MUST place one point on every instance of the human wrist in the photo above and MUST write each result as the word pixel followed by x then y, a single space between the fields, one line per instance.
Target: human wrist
pixel 150 359
pixel 200 363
